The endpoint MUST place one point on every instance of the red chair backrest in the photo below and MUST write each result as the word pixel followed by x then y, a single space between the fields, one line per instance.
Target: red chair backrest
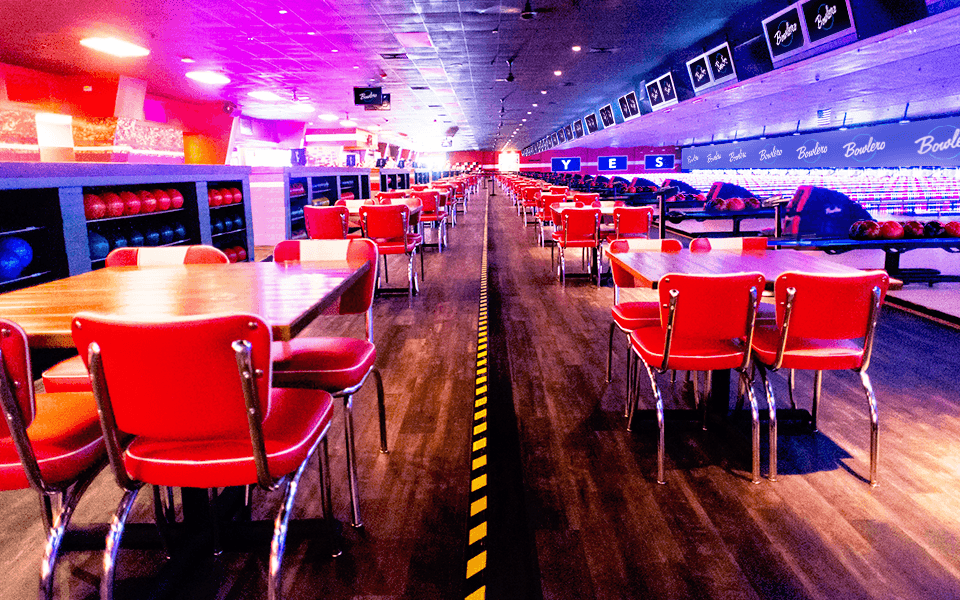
pixel 15 368
pixel 829 306
pixel 732 243
pixel 585 198
pixel 359 297
pixel 548 199
pixel 700 245
pixel 622 277
pixel 530 193
pixel 580 224
pixel 166 255
pixel 429 199
pixel 632 221
pixel 157 385
pixel 709 307
pixel 419 187
pixel 558 189
pixel 326 222
pixel 385 222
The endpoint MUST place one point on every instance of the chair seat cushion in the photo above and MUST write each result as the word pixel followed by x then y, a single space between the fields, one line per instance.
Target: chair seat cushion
pixel 396 246
pixel 66 439
pixel 331 364
pixel 575 243
pixel 804 353
pixel 296 420
pixel 68 375
pixel 433 216
pixel 634 315
pixel 687 354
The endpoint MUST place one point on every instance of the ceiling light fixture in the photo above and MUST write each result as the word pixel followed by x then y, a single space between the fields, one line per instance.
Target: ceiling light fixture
pixel 328 117
pixel 265 95
pixel 209 77
pixel 282 12
pixel 114 47
pixel 576 48
pixel 187 59
pixel 534 105
pixel 334 51
pixel 543 91
pixel 558 73
pixel 347 122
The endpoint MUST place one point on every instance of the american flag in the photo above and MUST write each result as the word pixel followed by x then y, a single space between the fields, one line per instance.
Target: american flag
pixel 824 116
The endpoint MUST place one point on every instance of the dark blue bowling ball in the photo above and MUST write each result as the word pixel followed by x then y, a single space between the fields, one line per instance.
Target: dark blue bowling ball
pixel 179 231
pixel 99 246
pixel 217 226
pixel 238 223
pixel 152 238
pixel 166 234
pixel 20 247
pixel 118 240
pixel 135 238
pixel 9 265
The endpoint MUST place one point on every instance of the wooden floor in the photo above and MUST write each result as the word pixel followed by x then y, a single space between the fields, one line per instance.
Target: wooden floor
pixel 575 509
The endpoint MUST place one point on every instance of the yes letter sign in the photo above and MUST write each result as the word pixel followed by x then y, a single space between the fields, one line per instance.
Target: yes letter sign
pixel 653 162
pixel 611 163
pixel 565 165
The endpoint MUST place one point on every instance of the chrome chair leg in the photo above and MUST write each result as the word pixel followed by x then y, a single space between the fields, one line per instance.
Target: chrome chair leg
pixel 610 351
pixel 280 527
pixel 630 376
pixel 163 527
pixel 212 504
pixel 381 411
pixel 113 543
pixel 326 498
pixel 772 410
pixel 386 270
pixel 705 399
pixel 661 445
pixel 817 384
pixel 633 397
pixel 791 385
pixel 874 427
pixel 755 432
pixel 56 531
pixel 351 461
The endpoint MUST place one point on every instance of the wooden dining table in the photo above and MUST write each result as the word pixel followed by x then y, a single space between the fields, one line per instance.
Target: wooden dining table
pixel 288 295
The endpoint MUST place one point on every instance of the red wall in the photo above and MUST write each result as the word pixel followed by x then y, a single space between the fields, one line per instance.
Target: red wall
pixel 588 159
pixel 482 157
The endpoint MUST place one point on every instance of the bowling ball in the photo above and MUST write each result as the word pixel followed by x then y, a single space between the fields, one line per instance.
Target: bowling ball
pixel 238 223
pixel 871 230
pixel 131 203
pixel 952 228
pixel 214 198
pixel 114 203
pixel 176 198
pixel 179 231
pixel 9 265
pixel 99 246
pixel 753 203
pixel 117 240
pixel 237 196
pixel 736 204
pixel 94 207
pixel 227 195
pixel 217 226
pixel 152 238
pixel 163 199
pixel 135 238
pixel 148 203
pixel 891 230
pixel 912 229
pixel 166 234
pixel 20 247
pixel 933 229
pixel 241 253
pixel 716 205
pixel 231 254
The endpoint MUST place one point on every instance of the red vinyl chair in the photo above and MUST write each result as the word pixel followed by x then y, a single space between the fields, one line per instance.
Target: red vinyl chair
pixel 419 187
pixel 389 227
pixel 433 212
pixel 579 228
pixel 389 197
pixel 49 442
pixel 328 222
pixel 166 255
pixel 629 316
pixel 819 320
pixel 586 198
pixel 71 375
pixel 339 366
pixel 240 430
pixel 706 324
pixel 529 203
pixel 631 222
pixel 545 217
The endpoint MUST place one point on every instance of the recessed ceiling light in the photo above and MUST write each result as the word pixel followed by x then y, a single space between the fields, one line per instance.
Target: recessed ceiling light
pixel 210 77
pixel 576 48
pixel 356 66
pixel 348 123
pixel 558 73
pixel 187 59
pixel 282 12
pixel 334 50
pixel 328 117
pixel 114 47
pixel 529 112
pixel 311 33
pixel 543 91
pixel 534 105
pixel 524 120
pixel 265 95
pixel 302 107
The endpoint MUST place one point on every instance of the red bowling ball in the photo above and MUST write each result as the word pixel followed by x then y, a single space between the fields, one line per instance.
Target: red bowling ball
pixel 94 207
pixel 242 254
pixel 131 203
pixel 891 230
pixel 913 229
pixel 148 203
pixel 176 198
pixel 227 196
pixel 952 228
pixel 214 198
pixel 114 204
pixel 163 199
pixel 231 254
pixel 237 196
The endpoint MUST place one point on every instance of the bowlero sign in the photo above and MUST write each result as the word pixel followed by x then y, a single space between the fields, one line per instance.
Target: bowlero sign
pixel 931 143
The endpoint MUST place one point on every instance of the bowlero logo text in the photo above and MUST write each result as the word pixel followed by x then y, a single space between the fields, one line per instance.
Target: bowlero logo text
pixel 940 146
